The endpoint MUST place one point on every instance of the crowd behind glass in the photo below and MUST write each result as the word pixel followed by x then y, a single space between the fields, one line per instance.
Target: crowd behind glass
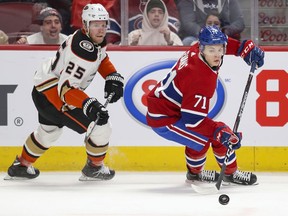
pixel 264 21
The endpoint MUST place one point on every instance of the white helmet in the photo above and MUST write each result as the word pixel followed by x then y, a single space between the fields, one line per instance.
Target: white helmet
pixel 94 12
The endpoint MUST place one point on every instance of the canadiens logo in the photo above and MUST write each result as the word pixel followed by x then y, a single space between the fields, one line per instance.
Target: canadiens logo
pixel 86 45
pixel 143 80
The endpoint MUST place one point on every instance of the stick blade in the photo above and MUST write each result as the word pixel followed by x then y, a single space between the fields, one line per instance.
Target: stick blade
pixel 205 190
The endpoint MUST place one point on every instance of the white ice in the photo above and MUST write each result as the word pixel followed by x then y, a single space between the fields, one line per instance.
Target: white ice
pixel 139 193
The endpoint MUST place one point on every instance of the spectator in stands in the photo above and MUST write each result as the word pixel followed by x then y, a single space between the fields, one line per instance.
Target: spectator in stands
pixel 135 16
pixel 50 28
pixel 3 38
pixel 37 8
pixel 155 30
pixel 34 26
pixel 193 14
pixel 64 8
pixel 212 19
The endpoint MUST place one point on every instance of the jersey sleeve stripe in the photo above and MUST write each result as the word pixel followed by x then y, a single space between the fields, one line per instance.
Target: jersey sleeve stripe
pixel 193 118
pixel 193 112
pixel 106 67
pixel 173 94
pixel 152 115
pixel 193 125
pixel 171 99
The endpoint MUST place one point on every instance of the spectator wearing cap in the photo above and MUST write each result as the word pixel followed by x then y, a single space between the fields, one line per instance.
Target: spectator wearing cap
pixel 50 29
pixel 155 30
pixel 3 38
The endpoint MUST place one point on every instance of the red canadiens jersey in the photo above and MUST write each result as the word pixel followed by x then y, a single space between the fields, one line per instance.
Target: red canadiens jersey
pixel 185 93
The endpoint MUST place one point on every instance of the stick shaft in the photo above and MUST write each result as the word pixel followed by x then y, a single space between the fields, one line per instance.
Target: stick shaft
pixel 93 124
pixel 236 124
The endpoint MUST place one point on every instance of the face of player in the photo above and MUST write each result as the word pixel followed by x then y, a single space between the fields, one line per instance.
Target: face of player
pixel 97 31
pixel 213 54
pixel 155 17
pixel 213 20
pixel 51 28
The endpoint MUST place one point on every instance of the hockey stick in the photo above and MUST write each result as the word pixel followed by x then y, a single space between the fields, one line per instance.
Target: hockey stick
pixel 216 188
pixel 92 125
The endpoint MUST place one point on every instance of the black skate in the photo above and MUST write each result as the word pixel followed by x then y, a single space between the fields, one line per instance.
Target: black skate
pixel 204 176
pixel 241 177
pixel 19 172
pixel 96 173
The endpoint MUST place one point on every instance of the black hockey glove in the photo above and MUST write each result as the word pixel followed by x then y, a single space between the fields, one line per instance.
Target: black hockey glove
pixel 114 83
pixel 92 108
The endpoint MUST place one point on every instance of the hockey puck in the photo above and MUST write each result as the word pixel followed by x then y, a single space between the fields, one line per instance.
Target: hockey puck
pixel 224 199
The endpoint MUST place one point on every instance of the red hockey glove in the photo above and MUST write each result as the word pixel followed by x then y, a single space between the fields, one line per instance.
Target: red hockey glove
pixel 226 136
pixel 251 53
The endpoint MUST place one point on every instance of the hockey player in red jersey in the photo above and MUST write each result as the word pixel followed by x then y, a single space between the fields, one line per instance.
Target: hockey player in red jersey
pixel 59 97
pixel 178 105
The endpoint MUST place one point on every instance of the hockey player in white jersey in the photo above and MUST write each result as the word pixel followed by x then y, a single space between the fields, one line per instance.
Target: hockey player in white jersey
pixel 59 97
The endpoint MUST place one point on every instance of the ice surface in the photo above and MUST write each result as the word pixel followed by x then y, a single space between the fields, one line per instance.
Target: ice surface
pixel 139 193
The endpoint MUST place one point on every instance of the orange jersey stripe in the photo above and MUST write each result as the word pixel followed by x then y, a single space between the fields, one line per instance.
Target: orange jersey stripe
pixel 75 97
pixel 53 97
pixel 106 67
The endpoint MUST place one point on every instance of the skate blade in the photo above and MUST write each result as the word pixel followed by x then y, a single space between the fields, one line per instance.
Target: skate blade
pixel 235 184
pixel 86 178
pixel 189 182
pixel 8 177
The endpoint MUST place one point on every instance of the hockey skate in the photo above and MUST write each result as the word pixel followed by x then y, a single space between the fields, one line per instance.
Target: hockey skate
pixel 19 172
pixel 96 173
pixel 241 178
pixel 204 176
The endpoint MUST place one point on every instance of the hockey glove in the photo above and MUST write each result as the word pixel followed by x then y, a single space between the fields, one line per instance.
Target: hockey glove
pixel 251 53
pixel 92 108
pixel 226 136
pixel 114 83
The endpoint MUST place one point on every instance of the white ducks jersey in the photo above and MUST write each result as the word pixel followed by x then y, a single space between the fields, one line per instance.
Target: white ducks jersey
pixel 64 78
